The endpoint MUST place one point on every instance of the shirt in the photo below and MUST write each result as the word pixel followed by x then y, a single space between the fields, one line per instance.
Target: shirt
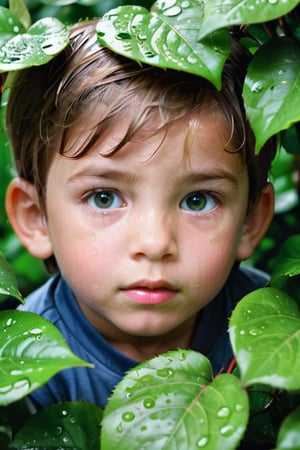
pixel 56 303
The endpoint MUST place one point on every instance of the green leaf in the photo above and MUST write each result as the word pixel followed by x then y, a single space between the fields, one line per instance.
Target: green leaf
pixel 19 8
pixel 40 44
pixel 32 350
pixel 172 402
pixel 166 37
pixel 265 335
pixel 64 425
pixel 288 262
pixel 8 281
pixel 219 14
pixel 289 432
pixel 10 26
pixel 272 96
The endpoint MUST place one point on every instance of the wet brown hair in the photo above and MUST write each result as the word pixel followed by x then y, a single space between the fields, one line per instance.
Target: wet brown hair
pixel 46 101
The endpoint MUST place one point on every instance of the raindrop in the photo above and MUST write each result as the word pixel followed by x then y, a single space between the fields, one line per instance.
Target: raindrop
pixel 192 59
pixel 58 431
pixel 63 413
pixel 36 331
pixel 120 428
pixel 202 442
pixel 273 2
pixel 227 430
pixel 238 407
pixel 173 11
pixel 9 322
pixel 242 332
pixel 149 403
pixel 144 428
pixel 65 440
pixel 128 416
pixel 167 372
pixel 185 4
pixel 72 420
pixel 16 29
pixel 257 87
pixel 223 412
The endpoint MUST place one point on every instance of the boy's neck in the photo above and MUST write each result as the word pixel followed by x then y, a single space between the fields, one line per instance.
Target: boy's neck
pixel 141 348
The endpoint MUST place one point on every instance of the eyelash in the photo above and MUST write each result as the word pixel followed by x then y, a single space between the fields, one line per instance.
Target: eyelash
pixel 208 197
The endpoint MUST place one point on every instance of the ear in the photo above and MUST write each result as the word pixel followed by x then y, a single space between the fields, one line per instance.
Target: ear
pixel 257 222
pixel 27 219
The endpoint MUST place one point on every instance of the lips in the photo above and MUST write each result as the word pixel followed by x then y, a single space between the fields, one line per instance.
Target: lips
pixel 151 292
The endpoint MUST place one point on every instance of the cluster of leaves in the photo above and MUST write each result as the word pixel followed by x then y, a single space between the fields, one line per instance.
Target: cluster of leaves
pixel 172 401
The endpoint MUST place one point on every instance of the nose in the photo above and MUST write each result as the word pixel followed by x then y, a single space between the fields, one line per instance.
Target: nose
pixel 153 236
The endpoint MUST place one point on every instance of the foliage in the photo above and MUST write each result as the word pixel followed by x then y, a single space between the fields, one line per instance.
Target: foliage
pixel 172 401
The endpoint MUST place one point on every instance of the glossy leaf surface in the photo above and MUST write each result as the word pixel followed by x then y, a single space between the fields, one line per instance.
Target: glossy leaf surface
pixel 62 426
pixel 265 335
pixel 44 39
pixel 288 261
pixel 8 281
pixel 272 97
pixel 172 402
pixel 32 350
pixel 166 36
pixel 289 433
pixel 218 14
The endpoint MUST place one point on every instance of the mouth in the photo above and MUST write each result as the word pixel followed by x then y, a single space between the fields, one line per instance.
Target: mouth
pixel 149 292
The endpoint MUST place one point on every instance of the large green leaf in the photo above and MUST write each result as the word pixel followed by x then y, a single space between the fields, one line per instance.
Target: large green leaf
pixel 218 14
pixel 288 262
pixel 172 402
pixel 8 281
pixel 289 433
pixel 43 40
pixel 62 426
pixel 166 37
pixel 32 350
pixel 265 335
pixel 272 91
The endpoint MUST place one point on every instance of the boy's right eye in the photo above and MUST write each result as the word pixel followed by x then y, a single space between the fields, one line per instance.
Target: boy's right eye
pixel 104 199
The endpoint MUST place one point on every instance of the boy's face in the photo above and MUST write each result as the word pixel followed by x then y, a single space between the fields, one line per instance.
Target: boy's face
pixel 148 236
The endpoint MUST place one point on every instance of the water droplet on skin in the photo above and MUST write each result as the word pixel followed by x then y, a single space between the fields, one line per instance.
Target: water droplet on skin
pixel 202 442
pixel 128 416
pixel 223 412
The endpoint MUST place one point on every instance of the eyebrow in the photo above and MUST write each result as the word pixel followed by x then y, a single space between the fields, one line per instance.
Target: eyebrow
pixel 214 175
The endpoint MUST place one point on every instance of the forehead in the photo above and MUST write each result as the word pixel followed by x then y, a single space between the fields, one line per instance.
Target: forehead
pixel 196 140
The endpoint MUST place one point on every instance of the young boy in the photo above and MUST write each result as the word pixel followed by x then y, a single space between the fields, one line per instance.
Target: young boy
pixel 140 187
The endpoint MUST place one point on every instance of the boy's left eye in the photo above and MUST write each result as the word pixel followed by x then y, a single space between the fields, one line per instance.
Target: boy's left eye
pixel 104 200
pixel 198 202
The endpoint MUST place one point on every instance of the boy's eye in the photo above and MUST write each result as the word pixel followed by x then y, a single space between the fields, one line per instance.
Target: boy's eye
pixel 104 200
pixel 198 202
